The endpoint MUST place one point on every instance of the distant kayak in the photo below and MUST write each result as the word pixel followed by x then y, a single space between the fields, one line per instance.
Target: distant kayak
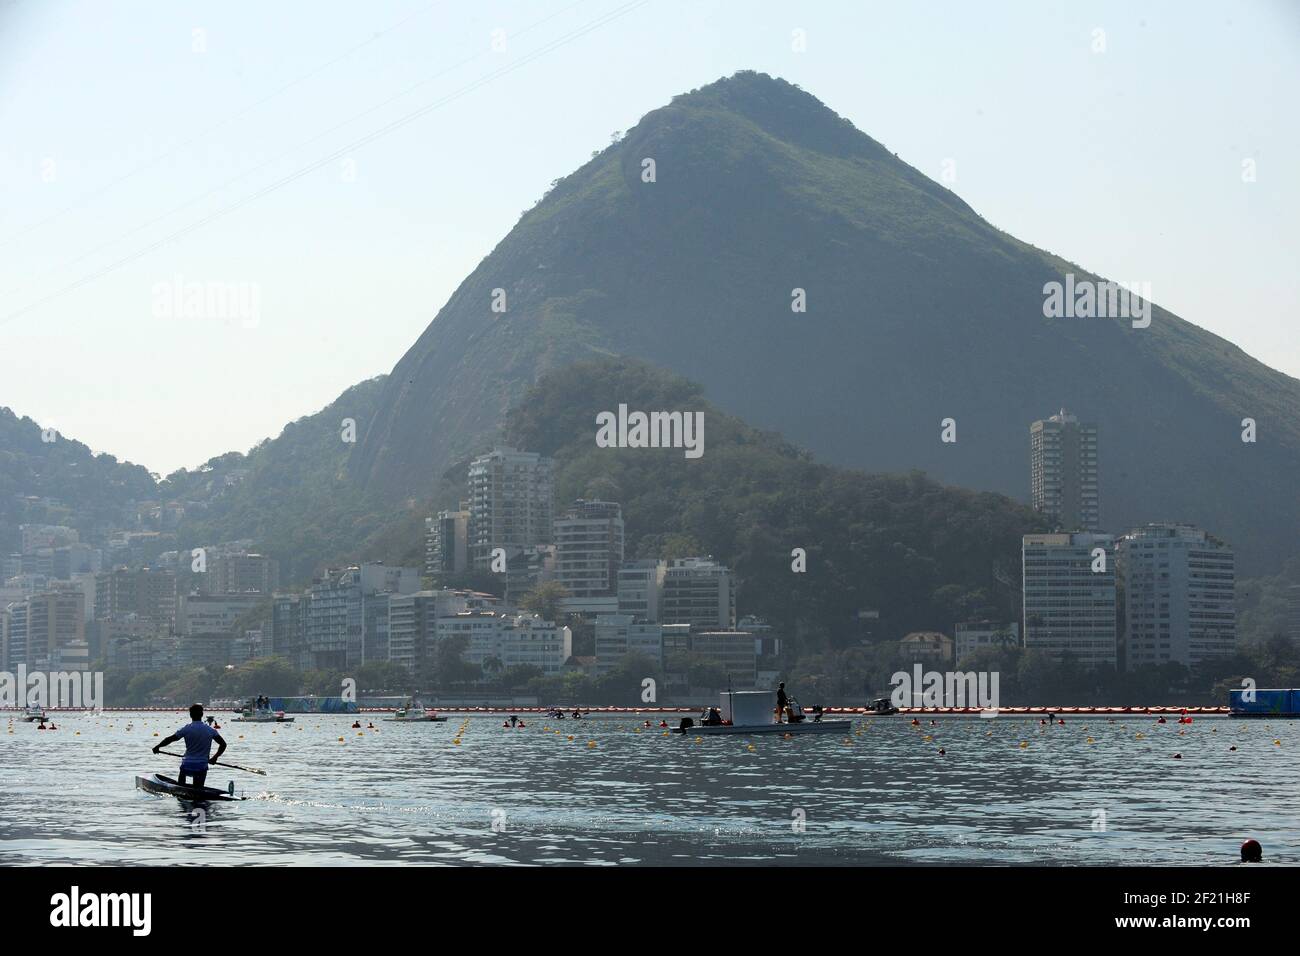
pixel 157 783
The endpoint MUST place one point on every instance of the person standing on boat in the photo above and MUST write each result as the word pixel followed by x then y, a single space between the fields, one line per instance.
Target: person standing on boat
pixel 198 738
pixel 782 702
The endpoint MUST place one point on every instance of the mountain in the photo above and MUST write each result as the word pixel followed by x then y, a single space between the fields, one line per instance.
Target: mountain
pixel 47 478
pixel 920 554
pixel 292 497
pixel 917 310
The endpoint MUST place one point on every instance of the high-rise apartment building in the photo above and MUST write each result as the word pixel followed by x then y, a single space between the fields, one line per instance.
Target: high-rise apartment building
pixel 346 622
pixel 1063 472
pixel 510 503
pixel 149 593
pixel 640 588
pixel 589 548
pixel 1069 596
pixel 1179 596
pixel 446 543
pixel 700 592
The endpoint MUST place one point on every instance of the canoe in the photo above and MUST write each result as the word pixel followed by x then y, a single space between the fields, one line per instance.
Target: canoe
pixel 157 783
pixel 415 720
pixel 262 720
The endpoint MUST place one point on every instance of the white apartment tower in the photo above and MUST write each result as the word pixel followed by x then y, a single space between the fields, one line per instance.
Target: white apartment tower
pixel 1069 596
pixel 700 592
pixel 510 503
pixel 1179 585
pixel 1063 472
pixel 589 548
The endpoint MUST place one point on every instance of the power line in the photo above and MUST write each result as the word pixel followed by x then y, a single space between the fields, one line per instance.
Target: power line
pixel 363 141
pixel 279 156
pixel 111 184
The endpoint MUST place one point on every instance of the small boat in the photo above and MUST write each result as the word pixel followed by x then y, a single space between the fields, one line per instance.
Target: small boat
pixel 157 783
pixel 881 707
pixel 414 715
pixel 750 712
pixel 35 713
pixel 249 716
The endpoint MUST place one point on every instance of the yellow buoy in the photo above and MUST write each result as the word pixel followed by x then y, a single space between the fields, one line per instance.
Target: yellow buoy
pixel 1090 740
pixel 340 740
pixel 1024 744
pixel 750 748
pixel 591 743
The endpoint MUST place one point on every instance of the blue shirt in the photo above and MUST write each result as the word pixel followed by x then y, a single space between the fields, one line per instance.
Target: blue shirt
pixel 198 741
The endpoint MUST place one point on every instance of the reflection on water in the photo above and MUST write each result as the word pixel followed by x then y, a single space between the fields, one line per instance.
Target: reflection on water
pixel 619 793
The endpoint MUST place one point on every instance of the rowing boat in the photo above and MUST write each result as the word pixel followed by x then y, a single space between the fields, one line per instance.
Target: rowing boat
pixel 157 783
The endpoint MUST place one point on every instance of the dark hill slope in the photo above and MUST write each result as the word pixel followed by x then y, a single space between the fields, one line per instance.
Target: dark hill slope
pixel 918 310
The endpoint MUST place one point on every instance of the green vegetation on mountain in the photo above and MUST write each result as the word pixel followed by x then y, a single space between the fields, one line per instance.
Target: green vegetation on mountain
pixel 48 478
pixel 918 310
pixel 920 554
pixel 292 496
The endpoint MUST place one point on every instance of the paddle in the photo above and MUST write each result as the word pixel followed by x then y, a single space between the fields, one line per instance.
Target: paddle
pixel 232 766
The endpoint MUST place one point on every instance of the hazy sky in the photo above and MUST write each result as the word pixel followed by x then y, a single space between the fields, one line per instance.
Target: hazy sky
pixel 219 142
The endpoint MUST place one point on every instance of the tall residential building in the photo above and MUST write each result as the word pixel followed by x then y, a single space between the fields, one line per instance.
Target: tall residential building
pixel 413 622
pixel 56 630
pixel 14 649
pixel 346 623
pixel 288 629
pixel 149 593
pixel 1179 591
pixel 510 503
pixel 207 614
pixel 640 588
pixel 1063 472
pixel 412 629
pixel 1069 596
pixel 508 639
pixel 446 543
pixel 700 592
pixel 240 572
pixel 589 548
pixel 621 635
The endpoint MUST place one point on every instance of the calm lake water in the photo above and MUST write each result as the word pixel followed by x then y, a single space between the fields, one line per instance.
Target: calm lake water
pixel 617 793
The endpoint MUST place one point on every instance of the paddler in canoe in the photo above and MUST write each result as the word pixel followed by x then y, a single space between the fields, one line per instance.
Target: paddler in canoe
pixel 198 738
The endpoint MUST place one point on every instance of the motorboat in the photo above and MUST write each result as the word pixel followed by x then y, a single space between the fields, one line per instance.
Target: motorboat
pixel 752 712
